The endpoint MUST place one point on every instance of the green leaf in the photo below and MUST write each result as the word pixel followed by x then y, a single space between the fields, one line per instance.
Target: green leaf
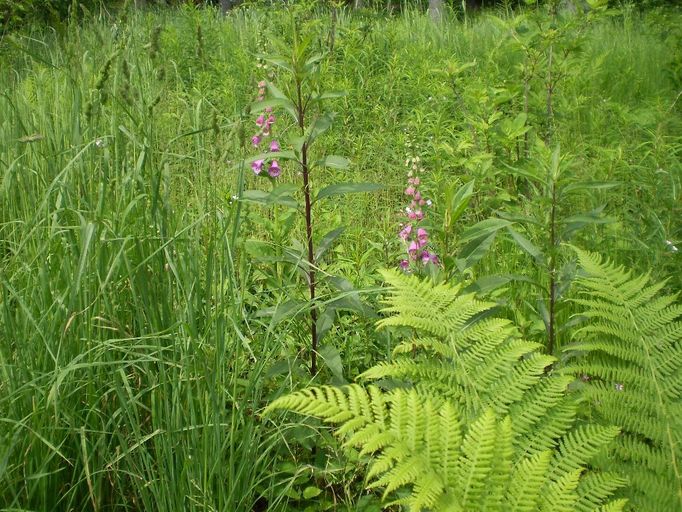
pixel 332 359
pixel 311 492
pixel 461 200
pixel 312 62
pixel 327 241
pixel 279 62
pixel 472 252
pixel 335 162
pixel 286 102
pixel 590 185
pixel 325 322
pixel 349 298
pixel 281 194
pixel 330 95
pixel 259 106
pixel 319 126
pixel 484 229
pixel 347 188
pixel 284 311
pixel 527 246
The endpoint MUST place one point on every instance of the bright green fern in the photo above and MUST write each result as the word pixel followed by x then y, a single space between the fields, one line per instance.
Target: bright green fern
pixel 630 355
pixel 473 422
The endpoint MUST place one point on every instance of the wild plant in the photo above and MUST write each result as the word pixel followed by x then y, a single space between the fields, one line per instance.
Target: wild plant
pixel 301 99
pixel 471 420
pixel 413 233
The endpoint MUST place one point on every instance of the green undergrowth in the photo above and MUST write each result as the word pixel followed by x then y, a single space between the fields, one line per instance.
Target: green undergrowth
pixel 140 334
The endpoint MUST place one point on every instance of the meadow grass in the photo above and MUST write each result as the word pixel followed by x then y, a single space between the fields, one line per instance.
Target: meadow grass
pixel 134 353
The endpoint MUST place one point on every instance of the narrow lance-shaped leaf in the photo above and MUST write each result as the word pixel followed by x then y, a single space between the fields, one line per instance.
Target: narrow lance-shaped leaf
pixel 347 188
pixel 334 162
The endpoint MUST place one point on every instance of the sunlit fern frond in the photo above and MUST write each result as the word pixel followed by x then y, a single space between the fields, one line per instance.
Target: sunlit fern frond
pixel 473 421
pixel 630 355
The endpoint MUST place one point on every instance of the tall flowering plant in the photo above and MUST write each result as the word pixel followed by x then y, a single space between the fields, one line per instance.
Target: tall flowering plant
pixel 413 233
pixel 300 99
pixel 264 131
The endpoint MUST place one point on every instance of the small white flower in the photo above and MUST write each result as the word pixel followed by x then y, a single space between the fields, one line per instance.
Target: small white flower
pixel 235 197
pixel 99 143
pixel 408 209
pixel 429 202
pixel 671 246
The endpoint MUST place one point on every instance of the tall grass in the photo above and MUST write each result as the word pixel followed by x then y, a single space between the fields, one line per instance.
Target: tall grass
pixel 133 355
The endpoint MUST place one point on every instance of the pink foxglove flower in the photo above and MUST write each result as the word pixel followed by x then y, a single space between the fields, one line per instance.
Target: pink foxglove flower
pixel 260 121
pixel 274 169
pixel 405 232
pixel 422 237
pixel 257 166
pixel 415 238
pixel 412 249
pixel 255 140
pixel 274 146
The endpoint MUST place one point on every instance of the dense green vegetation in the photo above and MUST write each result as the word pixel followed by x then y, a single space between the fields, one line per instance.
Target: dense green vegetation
pixel 155 292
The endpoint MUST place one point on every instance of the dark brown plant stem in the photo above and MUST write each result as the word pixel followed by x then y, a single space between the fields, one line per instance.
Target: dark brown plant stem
pixel 300 106
pixel 552 271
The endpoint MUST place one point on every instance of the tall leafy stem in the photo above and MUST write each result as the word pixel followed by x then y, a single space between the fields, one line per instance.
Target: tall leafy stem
pixel 303 101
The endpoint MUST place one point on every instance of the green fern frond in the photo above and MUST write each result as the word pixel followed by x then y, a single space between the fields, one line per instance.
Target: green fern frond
pixel 630 353
pixel 594 488
pixel 473 422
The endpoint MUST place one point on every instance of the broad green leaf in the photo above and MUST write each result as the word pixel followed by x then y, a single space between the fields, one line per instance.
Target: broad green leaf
pixel 287 104
pixel 531 174
pixel 527 246
pixel 327 241
pixel 319 126
pixel 332 359
pixel 335 162
pixel 472 252
pixel 279 62
pixel 484 228
pixel 347 188
pixel 281 194
pixel 461 200
pixel 349 297
pixel 575 223
pixel 311 492
pixel 276 93
pixel 284 311
pixel 312 62
pixel 489 283
pixel 325 322
pixel 259 106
